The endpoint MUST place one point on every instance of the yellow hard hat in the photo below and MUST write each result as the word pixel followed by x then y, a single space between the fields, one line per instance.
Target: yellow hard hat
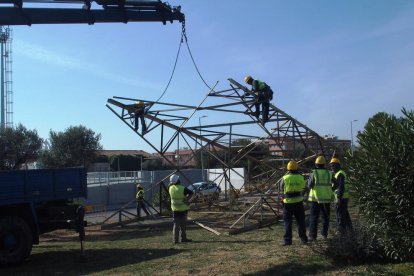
pixel 292 166
pixel 320 160
pixel 140 103
pixel 335 161
pixel 248 79
pixel 139 185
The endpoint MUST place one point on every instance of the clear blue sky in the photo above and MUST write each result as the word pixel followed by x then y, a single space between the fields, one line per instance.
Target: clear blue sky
pixel 329 62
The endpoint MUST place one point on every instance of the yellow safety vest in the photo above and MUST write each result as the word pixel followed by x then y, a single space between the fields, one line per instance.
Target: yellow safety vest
pixel 140 194
pixel 294 187
pixel 346 191
pixel 177 198
pixel 322 190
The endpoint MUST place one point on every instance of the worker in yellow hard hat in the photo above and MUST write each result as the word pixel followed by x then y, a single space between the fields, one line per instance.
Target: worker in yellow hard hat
pixel 140 197
pixel 341 191
pixel 263 96
pixel 320 196
pixel 139 111
pixel 293 186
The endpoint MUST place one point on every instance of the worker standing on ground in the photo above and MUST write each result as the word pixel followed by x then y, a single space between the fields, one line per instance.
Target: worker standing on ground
pixel 139 115
pixel 264 95
pixel 293 186
pixel 341 191
pixel 179 195
pixel 140 201
pixel 320 196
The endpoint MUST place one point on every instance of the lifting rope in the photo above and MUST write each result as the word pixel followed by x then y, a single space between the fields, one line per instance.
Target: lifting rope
pixel 182 39
pixel 175 64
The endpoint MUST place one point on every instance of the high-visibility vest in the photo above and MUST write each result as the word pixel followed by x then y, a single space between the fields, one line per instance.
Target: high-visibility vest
pixel 294 187
pixel 177 198
pixel 322 190
pixel 260 87
pixel 140 194
pixel 346 186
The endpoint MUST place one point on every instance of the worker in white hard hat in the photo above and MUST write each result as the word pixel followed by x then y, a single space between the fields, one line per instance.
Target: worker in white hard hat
pixel 179 206
pixel 264 94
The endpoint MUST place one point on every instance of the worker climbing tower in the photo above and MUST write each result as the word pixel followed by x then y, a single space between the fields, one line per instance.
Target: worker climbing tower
pixel 6 77
pixel 240 139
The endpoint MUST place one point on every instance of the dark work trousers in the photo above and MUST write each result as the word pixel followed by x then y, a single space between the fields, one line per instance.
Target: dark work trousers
pixel 290 210
pixel 141 204
pixel 342 215
pixel 262 100
pixel 315 209
pixel 180 225
pixel 139 115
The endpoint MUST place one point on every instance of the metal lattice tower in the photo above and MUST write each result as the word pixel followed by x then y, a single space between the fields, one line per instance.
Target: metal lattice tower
pixel 289 138
pixel 6 77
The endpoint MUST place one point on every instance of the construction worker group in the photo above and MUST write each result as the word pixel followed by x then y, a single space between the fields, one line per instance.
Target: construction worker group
pixel 321 187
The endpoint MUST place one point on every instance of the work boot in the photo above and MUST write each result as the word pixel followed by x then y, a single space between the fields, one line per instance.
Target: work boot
pixel 286 243
pixel 186 240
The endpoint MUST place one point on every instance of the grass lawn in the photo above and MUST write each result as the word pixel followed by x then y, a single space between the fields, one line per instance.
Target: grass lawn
pixel 148 250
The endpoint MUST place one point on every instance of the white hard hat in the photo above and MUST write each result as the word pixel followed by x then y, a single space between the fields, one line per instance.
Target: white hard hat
pixel 174 178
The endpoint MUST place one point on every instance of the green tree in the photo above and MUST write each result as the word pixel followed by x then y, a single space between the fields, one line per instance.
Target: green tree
pixel 382 173
pixel 18 146
pixel 76 146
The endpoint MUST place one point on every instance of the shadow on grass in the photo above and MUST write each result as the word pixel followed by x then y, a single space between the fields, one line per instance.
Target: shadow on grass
pixel 294 269
pixel 115 234
pixel 68 262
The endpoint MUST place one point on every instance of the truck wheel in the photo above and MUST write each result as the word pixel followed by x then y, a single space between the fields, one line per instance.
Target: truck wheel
pixel 15 240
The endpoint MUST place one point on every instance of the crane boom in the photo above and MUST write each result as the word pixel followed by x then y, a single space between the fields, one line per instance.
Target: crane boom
pixel 13 12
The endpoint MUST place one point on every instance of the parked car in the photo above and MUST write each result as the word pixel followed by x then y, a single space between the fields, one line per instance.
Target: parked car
pixel 205 188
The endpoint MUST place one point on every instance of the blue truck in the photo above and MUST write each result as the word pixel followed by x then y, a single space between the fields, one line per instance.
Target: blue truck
pixel 33 202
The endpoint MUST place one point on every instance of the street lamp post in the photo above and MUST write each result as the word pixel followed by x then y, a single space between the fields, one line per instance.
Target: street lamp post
pixel 352 138
pixel 201 148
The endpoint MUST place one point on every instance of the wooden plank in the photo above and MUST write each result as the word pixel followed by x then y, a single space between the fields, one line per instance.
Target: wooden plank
pixel 205 227
pixel 263 223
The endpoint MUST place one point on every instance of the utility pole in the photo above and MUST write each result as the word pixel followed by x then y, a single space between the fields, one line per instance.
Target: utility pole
pixel 352 138
pixel 6 100
pixel 3 39
pixel 201 149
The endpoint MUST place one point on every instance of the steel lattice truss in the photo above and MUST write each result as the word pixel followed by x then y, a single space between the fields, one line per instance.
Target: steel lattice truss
pixel 174 126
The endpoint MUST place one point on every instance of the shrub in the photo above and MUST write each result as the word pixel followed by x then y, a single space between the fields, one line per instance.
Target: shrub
pixel 382 175
pixel 354 247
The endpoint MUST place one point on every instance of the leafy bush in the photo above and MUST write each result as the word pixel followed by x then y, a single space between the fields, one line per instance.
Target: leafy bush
pixel 382 175
pixel 353 247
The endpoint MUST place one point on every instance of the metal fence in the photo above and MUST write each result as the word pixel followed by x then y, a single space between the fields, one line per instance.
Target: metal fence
pixel 110 190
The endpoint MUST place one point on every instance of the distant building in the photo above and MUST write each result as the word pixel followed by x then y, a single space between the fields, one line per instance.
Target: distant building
pixel 279 147
pixel 182 157
pixel 105 166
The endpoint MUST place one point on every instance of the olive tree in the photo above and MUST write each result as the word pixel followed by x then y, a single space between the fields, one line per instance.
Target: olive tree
pixel 18 145
pixel 76 146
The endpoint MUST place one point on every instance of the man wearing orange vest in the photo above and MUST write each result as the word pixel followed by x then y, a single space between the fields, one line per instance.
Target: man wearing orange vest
pixel 320 197
pixel 293 187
